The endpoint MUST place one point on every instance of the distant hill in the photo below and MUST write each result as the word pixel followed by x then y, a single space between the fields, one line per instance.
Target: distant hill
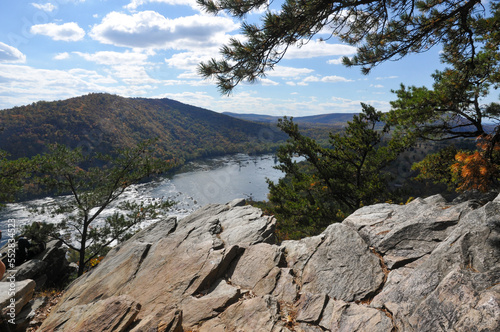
pixel 101 122
pixel 326 119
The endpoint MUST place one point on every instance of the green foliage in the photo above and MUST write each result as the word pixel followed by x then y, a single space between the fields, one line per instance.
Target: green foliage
pixel 334 181
pixel 454 108
pixel 381 30
pixel 13 175
pixel 39 233
pixel 91 190
pixel 436 167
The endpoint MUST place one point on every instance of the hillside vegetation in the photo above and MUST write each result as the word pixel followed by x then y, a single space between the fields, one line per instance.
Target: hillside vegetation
pixel 103 122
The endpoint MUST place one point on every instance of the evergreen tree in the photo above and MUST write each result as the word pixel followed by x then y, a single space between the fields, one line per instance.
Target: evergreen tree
pixel 381 30
pixel 335 180
pixel 454 108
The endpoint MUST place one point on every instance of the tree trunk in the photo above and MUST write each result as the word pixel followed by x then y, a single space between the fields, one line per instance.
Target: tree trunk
pixel 81 261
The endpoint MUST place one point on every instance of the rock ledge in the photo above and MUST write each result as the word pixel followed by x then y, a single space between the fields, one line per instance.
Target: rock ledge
pixel 425 266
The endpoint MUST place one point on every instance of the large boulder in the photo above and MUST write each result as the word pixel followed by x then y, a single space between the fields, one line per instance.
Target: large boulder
pixel 426 266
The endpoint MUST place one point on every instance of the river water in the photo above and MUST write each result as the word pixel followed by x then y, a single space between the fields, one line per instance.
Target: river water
pixel 218 180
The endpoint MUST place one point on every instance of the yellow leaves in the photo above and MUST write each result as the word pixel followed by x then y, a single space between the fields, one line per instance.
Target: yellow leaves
pixel 94 261
pixel 473 171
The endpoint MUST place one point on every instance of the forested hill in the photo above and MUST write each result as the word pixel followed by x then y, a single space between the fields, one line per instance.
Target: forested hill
pixel 101 122
pixel 325 119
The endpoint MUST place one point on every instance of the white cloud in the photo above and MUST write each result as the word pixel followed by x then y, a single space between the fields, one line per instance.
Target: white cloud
pixel 325 79
pixel 134 4
pixel 133 75
pixel 266 81
pixel 65 32
pixel 46 7
pixel 190 60
pixel 149 29
pixel 337 61
pixel 319 48
pixel 115 58
pixel 250 102
pixel 378 86
pixel 283 71
pixel 311 79
pixel 335 79
pixel 350 105
pixel 61 56
pixel 18 83
pixel 130 67
pixel 11 54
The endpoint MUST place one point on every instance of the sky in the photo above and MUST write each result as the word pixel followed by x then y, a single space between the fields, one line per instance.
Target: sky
pixel 58 49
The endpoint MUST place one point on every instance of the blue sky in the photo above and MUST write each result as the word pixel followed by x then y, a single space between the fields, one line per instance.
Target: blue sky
pixel 57 49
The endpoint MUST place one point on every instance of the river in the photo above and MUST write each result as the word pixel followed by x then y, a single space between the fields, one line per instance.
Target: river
pixel 217 180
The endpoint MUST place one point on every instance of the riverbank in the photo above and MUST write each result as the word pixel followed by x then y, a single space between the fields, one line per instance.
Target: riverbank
pixel 197 183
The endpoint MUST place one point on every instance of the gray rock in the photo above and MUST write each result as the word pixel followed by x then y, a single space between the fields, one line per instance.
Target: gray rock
pixel 31 269
pixel 14 296
pixel 310 307
pixel 420 297
pixel 23 319
pixel 257 269
pixel 286 289
pixel 197 309
pixel 341 316
pixel 48 267
pixel 254 314
pixel 114 314
pixel 343 267
pixel 170 262
pixel 424 266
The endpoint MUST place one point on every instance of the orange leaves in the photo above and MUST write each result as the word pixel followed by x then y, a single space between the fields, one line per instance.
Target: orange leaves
pixel 95 261
pixel 473 170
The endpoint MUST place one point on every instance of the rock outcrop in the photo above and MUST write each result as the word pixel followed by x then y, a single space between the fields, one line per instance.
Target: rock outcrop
pixel 426 266
pixel 48 268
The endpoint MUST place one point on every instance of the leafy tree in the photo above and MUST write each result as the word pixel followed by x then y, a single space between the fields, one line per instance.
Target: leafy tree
pixel 381 30
pixel 336 180
pixel 436 167
pixel 93 189
pixel 13 174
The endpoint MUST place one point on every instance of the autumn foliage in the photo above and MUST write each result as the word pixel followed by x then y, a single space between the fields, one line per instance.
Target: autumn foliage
pixel 475 170
pixel 464 170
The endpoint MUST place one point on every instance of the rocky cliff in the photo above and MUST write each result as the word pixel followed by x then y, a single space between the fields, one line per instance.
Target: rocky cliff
pixel 426 266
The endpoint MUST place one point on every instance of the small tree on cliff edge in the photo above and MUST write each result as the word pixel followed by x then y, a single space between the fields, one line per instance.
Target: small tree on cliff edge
pixel 92 189
pixel 335 180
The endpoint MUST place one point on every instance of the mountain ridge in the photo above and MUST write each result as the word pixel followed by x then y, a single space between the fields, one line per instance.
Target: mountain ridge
pixel 102 122
pixel 326 119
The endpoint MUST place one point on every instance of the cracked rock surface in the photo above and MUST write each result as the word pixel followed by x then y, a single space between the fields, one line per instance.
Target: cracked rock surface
pixel 426 266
